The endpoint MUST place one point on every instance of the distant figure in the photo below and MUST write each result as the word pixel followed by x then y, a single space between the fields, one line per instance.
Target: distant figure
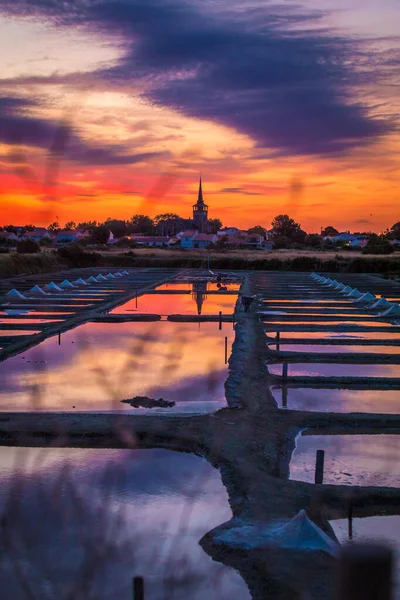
pixel 247 302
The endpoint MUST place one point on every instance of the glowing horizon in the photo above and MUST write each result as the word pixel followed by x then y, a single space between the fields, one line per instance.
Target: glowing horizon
pixel 104 113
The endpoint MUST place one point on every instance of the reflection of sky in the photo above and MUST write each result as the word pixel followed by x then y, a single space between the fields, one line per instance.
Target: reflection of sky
pixel 325 348
pixel 349 459
pixel 340 400
pixel 197 301
pixel 337 370
pixel 365 335
pixel 158 495
pixel 99 363
pixel 352 323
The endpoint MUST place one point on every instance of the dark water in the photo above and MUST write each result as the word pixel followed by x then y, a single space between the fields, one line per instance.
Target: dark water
pixel 100 517
pixel 336 370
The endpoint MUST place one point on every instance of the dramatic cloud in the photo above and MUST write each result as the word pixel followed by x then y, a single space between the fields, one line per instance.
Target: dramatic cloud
pixel 268 72
pixel 58 138
pixel 239 190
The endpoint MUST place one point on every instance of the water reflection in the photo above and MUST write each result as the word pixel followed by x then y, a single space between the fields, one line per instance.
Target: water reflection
pixel 349 459
pixel 336 370
pixel 338 400
pixel 99 364
pixel 346 349
pixel 195 298
pixel 110 515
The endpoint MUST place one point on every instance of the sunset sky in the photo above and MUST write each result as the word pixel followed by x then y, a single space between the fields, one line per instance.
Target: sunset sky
pixel 113 107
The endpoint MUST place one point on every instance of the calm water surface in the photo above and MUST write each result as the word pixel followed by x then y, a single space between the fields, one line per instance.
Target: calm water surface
pixel 112 514
pixel 99 364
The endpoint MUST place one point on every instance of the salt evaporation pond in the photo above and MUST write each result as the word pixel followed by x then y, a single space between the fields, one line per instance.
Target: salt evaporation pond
pixel 99 364
pixel 124 512
pixel 349 459
pixel 335 349
pixel 337 400
pixel 315 335
pixel 194 299
pixel 336 370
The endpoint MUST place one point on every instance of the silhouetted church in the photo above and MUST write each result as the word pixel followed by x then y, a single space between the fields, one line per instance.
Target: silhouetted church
pixel 200 221
pixel 200 213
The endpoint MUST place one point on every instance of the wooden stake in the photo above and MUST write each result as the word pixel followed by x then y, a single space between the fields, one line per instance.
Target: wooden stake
pixel 284 397
pixel 350 521
pixel 220 319
pixel 319 466
pixel 285 369
pixel 138 588
pixel 226 350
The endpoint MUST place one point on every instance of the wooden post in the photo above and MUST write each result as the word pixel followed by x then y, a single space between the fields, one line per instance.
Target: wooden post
pixel 226 350
pixel 319 466
pixel 138 588
pixel 365 572
pixel 278 338
pixel 220 319
pixel 350 521
pixel 136 301
pixel 285 369
pixel 284 396
pixel 59 338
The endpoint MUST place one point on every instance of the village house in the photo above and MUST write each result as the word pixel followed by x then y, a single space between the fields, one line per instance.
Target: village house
pixel 36 234
pixel 203 240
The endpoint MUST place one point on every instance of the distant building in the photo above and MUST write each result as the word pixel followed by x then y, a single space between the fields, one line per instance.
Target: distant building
pixel 228 231
pixel 36 234
pixel 203 240
pixel 66 236
pixel 152 241
pixel 187 237
pixel 200 212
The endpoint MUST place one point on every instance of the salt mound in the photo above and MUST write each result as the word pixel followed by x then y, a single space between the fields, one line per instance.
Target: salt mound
pixel 100 277
pixel 118 274
pixel 15 294
pixel 355 293
pixel 125 273
pixel 91 279
pixel 346 290
pixel 110 276
pixel 53 287
pixel 299 533
pixel 80 281
pixel 340 287
pixel 334 283
pixel 381 303
pixel 366 298
pixel 66 284
pixel 328 282
pixel 393 311
pixel 37 290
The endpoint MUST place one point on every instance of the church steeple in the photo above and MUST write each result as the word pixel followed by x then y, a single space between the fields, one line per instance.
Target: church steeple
pixel 200 212
pixel 200 196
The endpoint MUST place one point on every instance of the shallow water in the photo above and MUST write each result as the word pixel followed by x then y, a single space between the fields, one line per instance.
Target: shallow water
pixel 338 400
pixel 99 364
pixel 14 332
pixel 126 512
pixel 336 370
pixel 16 321
pixel 349 459
pixel 332 323
pixel 335 349
pixel 188 287
pixel 364 335
pixel 179 304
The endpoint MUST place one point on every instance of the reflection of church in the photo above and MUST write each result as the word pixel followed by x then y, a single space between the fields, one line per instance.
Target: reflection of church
pixel 199 294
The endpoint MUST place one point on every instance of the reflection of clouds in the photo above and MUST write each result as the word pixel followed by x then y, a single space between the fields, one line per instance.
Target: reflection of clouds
pixel 101 362
pixel 123 512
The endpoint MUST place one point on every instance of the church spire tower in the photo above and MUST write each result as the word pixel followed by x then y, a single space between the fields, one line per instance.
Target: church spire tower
pixel 200 212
